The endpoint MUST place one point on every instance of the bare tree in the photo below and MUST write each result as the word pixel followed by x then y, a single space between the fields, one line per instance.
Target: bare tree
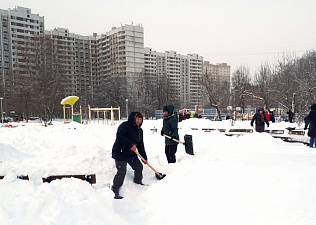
pixel 35 84
pixel 20 82
pixel 47 86
pixel 147 94
pixel 306 78
pixel 262 85
pixel 283 81
pixel 217 92
pixel 165 93
pixel 241 86
pixel 112 92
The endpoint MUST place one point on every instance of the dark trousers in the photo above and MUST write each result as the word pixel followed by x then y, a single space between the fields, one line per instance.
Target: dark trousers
pixel 136 165
pixel 259 128
pixel 312 142
pixel 171 151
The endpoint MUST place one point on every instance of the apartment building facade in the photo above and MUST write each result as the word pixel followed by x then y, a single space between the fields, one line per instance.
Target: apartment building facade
pixel 220 71
pixel 183 74
pixel 117 54
pixel 18 27
pixel 121 58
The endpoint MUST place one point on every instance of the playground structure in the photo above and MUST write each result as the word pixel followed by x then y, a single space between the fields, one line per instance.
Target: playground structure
pixel 105 112
pixel 68 110
pixel 70 115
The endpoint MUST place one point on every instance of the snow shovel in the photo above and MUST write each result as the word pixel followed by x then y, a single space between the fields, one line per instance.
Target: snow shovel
pixel 159 176
pixel 187 143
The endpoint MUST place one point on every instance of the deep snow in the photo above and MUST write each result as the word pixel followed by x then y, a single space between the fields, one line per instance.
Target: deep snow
pixel 253 179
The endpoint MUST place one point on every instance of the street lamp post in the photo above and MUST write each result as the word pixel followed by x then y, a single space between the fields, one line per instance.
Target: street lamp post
pixel 293 102
pixel 126 108
pixel 1 98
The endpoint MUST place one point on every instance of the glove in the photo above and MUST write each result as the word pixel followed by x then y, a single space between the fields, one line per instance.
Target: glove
pixel 251 124
pixel 145 162
pixel 133 148
pixel 162 133
pixel 305 128
pixel 268 125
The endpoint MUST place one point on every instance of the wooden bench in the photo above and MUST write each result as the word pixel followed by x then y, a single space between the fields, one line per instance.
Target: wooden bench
pixel 241 130
pixel 22 177
pixel 274 131
pixel 297 132
pixel 238 132
pixel 89 178
pixel 212 129
pixel 207 129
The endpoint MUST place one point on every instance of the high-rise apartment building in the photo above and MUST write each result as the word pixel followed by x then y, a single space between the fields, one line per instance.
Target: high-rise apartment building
pixel 77 55
pixel 121 57
pixel 183 74
pixel 85 60
pixel 220 71
pixel 119 54
pixel 195 70
pixel 18 27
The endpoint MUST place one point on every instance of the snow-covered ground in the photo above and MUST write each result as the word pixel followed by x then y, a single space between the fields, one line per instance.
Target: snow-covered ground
pixel 252 179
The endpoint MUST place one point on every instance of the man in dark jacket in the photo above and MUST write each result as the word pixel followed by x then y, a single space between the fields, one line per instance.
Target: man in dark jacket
pixel 170 128
pixel 129 136
pixel 310 120
pixel 259 118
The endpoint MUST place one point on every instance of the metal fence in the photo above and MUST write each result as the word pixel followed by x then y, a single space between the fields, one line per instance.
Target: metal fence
pixel 212 113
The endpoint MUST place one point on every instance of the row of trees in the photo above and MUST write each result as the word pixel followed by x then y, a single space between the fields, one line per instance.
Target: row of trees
pixel 290 84
pixel 146 94
pixel 38 81
pixel 34 87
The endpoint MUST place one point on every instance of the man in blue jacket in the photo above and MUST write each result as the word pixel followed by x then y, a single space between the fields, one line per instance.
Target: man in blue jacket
pixel 170 128
pixel 129 137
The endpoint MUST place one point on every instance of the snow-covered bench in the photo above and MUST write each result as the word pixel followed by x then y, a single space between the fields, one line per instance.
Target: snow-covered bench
pixel 89 178
pixel 22 177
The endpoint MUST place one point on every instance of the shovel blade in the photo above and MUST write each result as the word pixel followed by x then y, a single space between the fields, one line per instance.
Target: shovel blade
pixel 160 176
pixel 188 144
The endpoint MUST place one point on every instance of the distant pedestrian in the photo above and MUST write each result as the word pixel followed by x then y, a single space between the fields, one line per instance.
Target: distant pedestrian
pixel 259 118
pixel 129 137
pixel 291 115
pixel 180 116
pixel 272 117
pixel 310 122
pixel 267 115
pixel 170 128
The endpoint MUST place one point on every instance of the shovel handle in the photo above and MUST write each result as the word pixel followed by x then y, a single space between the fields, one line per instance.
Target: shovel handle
pixel 171 138
pixel 142 158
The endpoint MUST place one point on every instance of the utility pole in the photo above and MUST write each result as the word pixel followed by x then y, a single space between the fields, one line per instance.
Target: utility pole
pixel 126 109
pixel 1 98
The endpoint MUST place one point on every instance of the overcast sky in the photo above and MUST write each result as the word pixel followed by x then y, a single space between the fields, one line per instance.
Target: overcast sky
pixel 244 32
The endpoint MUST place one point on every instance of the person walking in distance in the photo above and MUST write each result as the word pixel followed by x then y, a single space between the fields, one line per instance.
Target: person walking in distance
pixel 129 137
pixel 259 118
pixel 310 122
pixel 170 128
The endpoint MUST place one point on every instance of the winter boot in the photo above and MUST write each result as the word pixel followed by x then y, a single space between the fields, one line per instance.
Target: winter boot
pixel 140 183
pixel 116 193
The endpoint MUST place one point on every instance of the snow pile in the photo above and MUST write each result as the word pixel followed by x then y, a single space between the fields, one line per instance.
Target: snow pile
pixel 248 179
